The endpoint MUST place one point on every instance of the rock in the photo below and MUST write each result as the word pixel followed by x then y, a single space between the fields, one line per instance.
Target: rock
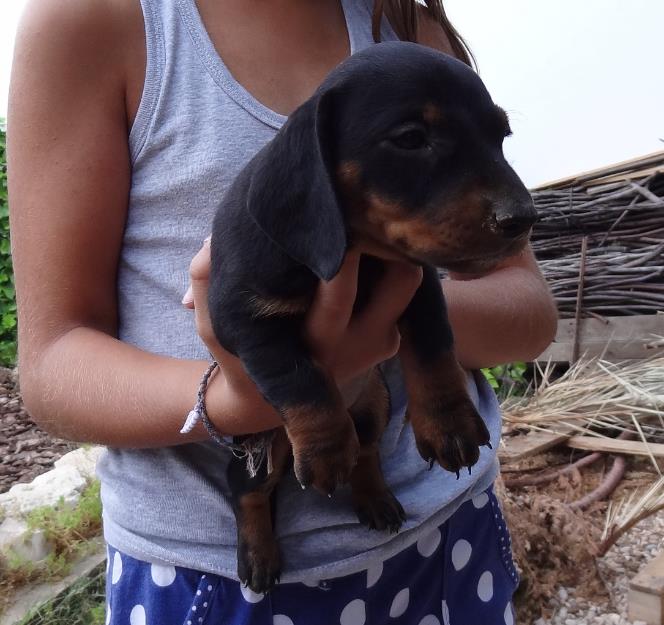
pixel 47 489
pixel 17 539
pixel 84 460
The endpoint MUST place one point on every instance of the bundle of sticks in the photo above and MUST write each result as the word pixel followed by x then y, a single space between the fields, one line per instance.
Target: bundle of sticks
pixel 604 230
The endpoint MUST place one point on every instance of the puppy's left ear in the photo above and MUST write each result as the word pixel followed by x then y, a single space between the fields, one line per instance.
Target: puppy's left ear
pixel 291 194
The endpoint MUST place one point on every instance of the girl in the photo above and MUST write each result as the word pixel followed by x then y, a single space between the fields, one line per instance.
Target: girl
pixel 127 122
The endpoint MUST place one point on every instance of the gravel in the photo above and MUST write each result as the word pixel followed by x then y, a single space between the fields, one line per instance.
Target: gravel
pixel 25 450
pixel 617 568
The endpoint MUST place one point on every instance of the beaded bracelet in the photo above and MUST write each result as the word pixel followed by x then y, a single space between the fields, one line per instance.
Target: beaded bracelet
pixel 254 449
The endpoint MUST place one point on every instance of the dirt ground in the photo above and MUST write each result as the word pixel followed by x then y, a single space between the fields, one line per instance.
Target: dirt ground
pixel 25 449
pixel 554 546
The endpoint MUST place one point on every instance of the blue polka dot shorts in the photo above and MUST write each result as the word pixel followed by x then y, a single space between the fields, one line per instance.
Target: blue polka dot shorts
pixel 461 573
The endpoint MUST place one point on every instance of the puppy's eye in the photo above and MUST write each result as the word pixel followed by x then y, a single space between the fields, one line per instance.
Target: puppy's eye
pixel 410 138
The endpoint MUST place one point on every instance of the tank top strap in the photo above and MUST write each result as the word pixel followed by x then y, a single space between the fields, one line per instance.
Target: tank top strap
pixel 358 21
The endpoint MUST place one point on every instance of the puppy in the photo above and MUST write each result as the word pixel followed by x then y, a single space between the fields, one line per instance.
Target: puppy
pixel 398 154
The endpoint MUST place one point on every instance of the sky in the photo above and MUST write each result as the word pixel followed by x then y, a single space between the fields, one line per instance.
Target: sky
pixel 581 79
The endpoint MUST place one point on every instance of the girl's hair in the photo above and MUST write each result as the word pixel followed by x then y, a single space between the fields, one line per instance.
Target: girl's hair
pixel 403 13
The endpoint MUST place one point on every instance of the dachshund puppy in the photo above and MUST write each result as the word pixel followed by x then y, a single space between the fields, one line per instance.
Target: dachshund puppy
pixel 398 154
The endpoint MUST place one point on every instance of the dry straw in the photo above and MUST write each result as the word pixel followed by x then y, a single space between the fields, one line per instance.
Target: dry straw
pixel 603 399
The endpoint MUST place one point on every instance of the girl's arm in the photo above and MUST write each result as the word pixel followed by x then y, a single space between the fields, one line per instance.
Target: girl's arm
pixel 507 314
pixel 503 316
pixel 69 179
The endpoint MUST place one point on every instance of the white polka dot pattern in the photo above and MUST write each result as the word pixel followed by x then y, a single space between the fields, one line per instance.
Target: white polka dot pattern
pixel 505 540
pixel 162 575
pixel 430 620
pixel 137 615
pixel 428 544
pixel 485 586
pixel 480 500
pixel 373 574
pixel 108 614
pixel 117 568
pixel 354 613
pixel 461 553
pixel 281 619
pixel 400 603
pixel 446 613
pixel 509 614
pixel 249 595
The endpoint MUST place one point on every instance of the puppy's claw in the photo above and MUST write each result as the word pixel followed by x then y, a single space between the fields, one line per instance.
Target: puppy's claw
pixel 431 463
pixel 470 472
pixel 458 474
pixel 489 445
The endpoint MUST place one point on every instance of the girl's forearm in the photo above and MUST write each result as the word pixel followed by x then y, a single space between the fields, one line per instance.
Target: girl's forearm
pixel 90 387
pixel 505 316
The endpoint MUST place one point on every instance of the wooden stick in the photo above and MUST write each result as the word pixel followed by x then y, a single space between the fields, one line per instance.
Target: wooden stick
pixel 632 448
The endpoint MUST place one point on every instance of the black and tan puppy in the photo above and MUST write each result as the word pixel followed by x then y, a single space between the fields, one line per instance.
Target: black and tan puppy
pixel 399 153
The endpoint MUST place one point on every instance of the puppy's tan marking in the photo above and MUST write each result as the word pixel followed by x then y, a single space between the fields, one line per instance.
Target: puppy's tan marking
pixel 432 114
pixel 349 173
pixel 279 306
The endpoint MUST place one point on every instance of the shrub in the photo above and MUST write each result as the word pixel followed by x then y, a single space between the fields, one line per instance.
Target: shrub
pixel 7 295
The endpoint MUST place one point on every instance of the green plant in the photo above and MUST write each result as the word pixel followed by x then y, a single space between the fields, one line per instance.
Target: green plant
pixel 82 604
pixel 507 379
pixel 68 529
pixel 7 294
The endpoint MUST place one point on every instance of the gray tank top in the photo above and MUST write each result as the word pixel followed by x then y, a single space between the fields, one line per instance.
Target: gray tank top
pixel 195 129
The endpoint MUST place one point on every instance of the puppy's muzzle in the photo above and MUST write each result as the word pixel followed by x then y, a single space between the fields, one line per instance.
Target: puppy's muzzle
pixel 513 219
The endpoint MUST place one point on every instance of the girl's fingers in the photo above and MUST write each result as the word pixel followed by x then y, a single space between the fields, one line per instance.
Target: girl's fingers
pixel 200 268
pixel 391 296
pixel 199 276
pixel 188 298
pixel 332 307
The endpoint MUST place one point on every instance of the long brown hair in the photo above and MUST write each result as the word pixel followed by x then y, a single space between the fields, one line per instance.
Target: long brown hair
pixel 403 13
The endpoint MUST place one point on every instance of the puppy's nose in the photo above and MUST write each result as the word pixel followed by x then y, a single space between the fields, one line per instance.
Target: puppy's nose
pixel 514 219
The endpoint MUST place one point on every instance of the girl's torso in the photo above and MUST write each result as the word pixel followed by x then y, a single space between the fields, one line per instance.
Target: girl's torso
pixel 195 126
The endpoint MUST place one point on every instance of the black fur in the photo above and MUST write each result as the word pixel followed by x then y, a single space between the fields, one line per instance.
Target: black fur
pixel 400 149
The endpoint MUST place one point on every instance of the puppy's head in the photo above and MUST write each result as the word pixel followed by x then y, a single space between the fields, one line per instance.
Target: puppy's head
pixel 400 148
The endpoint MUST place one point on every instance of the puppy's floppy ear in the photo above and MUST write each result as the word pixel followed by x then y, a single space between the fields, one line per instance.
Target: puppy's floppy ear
pixel 291 195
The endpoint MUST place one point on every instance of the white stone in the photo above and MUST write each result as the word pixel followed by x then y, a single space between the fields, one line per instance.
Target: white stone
pixel 15 537
pixel 47 489
pixel 84 460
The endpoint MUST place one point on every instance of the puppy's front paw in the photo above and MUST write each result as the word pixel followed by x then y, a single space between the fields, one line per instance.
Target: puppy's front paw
pixel 449 430
pixel 324 457
pixel 259 564
pixel 379 510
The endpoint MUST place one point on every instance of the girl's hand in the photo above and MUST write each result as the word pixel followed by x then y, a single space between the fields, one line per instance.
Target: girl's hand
pixel 344 345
